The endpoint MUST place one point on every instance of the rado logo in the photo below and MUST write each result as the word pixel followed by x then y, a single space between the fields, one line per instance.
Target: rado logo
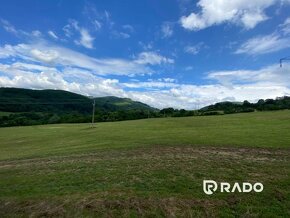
pixel 211 186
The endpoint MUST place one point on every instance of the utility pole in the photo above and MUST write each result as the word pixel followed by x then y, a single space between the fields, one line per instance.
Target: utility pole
pixel 93 115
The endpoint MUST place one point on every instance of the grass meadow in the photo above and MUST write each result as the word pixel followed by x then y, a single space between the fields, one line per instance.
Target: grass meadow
pixel 147 168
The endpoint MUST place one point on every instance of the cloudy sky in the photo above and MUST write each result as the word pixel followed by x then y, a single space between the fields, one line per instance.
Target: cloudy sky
pixel 178 53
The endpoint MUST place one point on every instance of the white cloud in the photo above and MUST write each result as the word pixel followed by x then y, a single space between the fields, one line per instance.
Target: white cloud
pixel 247 13
pixel 52 34
pixel 286 26
pixel 150 85
pixel 36 33
pixel 128 27
pixel 86 39
pixel 251 19
pixel 152 58
pixel 193 49
pixel 8 26
pixel 146 46
pixel 42 65
pixel 268 82
pixel 97 24
pixel 125 33
pixel 171 80
pixel 50 55
pixel 167 30
pixel 271 74
pixel 46 54
pixel 193 96
pixel 120 34
pixel 264 44
pixel 188 68
pixel 160 83
pixel 179 96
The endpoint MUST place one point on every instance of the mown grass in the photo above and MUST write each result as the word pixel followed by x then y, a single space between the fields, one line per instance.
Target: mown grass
pixel 3 113
pixel 264 129
pixel 152 167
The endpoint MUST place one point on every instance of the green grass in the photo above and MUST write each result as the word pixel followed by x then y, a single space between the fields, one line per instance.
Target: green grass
pixel 152 167
pixel 3 113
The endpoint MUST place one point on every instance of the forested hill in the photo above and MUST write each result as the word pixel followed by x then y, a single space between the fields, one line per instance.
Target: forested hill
pixel 27 100
pixel 280 103
pixel 19 107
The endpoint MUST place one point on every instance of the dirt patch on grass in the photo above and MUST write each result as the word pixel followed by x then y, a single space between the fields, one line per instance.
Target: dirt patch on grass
pixel 128 207
pixel 155 152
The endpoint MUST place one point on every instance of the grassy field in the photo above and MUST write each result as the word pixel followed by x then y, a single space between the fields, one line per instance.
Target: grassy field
pixel 152 167
pixel 2 113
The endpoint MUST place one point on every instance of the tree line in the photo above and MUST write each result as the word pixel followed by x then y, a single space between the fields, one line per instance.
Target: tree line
pixel 102 115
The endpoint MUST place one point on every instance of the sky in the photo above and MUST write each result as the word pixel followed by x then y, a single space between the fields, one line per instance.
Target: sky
pixel 166 53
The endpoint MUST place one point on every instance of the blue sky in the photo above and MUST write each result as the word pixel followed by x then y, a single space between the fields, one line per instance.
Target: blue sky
pixel 178 53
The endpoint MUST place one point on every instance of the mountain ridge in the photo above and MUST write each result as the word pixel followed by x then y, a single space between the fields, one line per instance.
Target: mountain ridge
pixel 27 100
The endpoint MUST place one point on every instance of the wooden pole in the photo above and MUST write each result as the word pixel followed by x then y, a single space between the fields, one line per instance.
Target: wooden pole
pixel 93 115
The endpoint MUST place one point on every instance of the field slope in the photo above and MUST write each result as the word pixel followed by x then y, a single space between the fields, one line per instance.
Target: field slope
pixel 152 167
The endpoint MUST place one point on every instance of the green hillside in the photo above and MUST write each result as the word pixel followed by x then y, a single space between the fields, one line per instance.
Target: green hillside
pixel 129 169
pixel 27 100
pixel 280 103
pixel 19 107
pixel 112 103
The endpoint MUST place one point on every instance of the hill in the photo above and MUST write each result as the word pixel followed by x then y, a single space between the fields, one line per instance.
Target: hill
pixel 147 168
pixel 280 103
pixel 27 100
pixel 29 107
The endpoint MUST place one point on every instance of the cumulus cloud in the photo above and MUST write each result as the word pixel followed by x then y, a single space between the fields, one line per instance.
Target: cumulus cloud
pixel 240 85
pixel 42 66
pixel 247 13
pixel 56 80
pixel 268 82
pixel 197 96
